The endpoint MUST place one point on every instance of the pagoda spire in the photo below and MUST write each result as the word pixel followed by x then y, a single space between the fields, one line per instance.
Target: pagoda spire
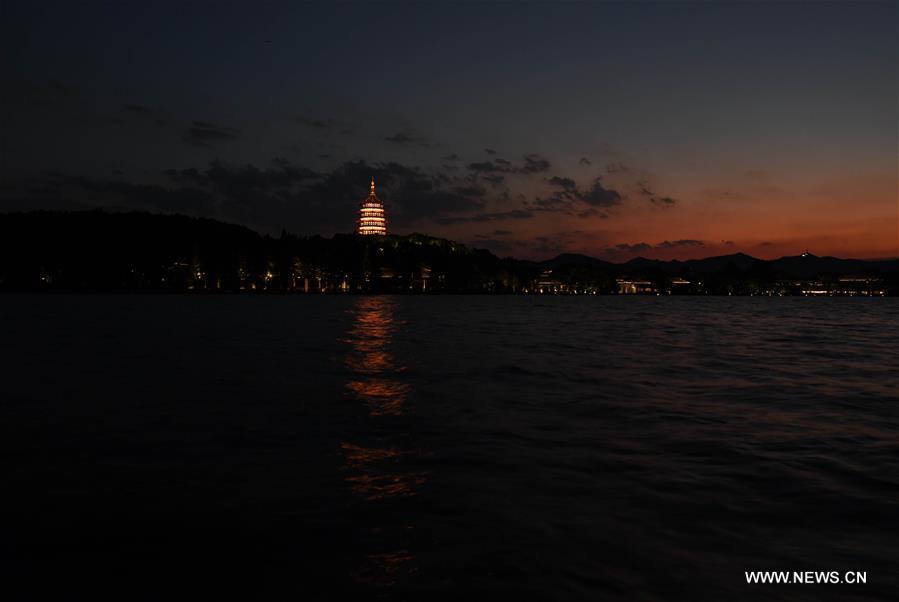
pixel 372 184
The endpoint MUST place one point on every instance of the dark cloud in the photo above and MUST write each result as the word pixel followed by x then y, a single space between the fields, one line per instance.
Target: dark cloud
pixel 565 183
pixel 443 178
pixel 28 94
pixel 598 196
pixel 557 201
pixel 491 235
pixel 538 247
pixel 557 242
pixel 534 163
pixel 471 191
pixel 496 245
pixel 189 200
pixel 728 195
pixel 644 189
pixel 616 168
pixel 624 248
pixel 319 123
pixel 495 180
pixel 570 199
pixel 452 157
pixel 637 248
pixel 203 133
pixel 245 180
pixel 489 151
pixel 584 161
pixel 140 114
pixel 408 136
pixel 486 167
pixel 685 242
pixel 592 212
pixel 401 138
pixel 487 217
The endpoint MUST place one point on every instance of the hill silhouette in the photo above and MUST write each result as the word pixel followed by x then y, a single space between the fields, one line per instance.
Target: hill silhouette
pixel 99 251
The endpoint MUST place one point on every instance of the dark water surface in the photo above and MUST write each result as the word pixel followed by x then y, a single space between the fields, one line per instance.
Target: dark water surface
pixel 447 448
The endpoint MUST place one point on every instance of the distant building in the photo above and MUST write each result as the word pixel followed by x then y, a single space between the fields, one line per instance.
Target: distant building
pixel 372 219
pixel 635 287
pixel 546 284
pixel 865 286
pixel 848 286
pixel 680 286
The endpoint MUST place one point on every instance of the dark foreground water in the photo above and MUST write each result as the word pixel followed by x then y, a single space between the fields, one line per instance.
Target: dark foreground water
pixel 447 448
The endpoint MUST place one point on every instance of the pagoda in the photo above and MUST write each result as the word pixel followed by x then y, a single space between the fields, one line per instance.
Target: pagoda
pixel 371 215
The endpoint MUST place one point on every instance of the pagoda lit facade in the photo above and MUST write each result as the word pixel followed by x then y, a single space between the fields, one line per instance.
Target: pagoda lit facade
pixel 372 219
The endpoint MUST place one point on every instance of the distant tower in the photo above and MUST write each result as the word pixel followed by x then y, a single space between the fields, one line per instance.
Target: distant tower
pixel 371 214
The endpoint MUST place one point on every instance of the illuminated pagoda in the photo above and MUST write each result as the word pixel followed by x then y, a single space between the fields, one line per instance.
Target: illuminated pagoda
pixel 371 214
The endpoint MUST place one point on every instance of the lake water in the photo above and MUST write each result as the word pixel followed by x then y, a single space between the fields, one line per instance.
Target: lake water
pixel 444 448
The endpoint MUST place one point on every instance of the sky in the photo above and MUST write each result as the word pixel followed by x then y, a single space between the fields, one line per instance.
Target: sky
pixel 656 129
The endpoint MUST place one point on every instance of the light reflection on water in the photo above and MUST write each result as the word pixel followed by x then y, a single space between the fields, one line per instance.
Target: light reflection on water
pixel 375 472
pixel 371 478
pixel 373 366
